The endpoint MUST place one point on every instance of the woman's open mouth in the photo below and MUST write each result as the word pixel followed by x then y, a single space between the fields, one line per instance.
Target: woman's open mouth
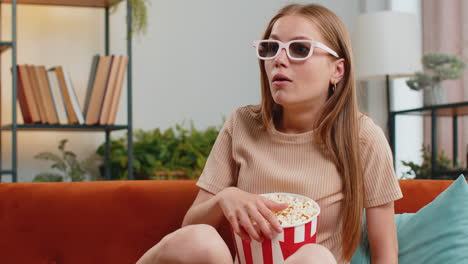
pixel 280 79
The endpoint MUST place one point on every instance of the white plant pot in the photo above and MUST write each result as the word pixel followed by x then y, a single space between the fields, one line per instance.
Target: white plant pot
pixel 435 96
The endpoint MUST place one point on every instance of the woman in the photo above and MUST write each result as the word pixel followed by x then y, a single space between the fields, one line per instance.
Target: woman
pixel 307 137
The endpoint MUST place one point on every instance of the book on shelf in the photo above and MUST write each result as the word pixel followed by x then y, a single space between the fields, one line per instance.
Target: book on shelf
pixel 48 96
pixel 104 88
pixel 68 96
pixel 37 93
pixel 118 90
pixel 74 98
pixel 92 78
pixel 110 90
pixel 58 97
pixel 26 97
pixel 98 90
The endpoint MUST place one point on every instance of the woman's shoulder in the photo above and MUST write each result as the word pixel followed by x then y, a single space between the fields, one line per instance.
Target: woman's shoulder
pixel 247 113
pixel 248 116
pixel 369 131
pixel 250 111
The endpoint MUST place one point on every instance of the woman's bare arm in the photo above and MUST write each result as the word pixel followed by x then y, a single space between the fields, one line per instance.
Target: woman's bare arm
pixel 204 210
pixel 382 234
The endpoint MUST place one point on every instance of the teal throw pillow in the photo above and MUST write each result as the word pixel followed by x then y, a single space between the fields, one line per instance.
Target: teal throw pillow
pixel 437 233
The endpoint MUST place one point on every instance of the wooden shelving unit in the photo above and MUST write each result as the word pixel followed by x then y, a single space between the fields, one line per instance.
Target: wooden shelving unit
pixel 14 127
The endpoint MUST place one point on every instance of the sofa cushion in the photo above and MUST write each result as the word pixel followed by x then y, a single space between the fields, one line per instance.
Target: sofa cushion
pixel 438 233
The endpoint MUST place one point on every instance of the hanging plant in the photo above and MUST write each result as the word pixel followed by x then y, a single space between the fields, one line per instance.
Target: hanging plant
pixel 139 14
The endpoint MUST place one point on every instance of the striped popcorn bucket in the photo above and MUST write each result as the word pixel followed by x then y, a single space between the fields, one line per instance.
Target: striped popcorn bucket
pixel 283 245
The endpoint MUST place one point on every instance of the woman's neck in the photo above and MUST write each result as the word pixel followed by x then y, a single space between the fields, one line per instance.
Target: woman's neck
pixel 297 120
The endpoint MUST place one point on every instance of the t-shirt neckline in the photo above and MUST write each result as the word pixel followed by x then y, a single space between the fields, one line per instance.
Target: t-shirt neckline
pixel 289 137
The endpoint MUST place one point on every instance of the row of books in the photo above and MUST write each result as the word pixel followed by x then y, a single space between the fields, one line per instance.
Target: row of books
pixel 48 96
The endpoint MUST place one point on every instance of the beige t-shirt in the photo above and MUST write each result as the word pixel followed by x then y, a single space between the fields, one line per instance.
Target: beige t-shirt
pixel 259 161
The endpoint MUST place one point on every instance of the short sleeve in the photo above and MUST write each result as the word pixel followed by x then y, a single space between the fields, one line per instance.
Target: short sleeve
pixel 380 182
pixel 220 170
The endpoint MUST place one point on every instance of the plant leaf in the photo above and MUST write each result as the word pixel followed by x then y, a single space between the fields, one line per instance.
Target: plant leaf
pixel 48 177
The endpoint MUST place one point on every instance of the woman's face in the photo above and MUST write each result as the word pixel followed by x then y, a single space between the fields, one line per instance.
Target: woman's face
pixel 308 80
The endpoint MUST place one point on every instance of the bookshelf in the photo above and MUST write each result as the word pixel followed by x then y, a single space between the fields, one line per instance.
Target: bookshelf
pixel 14 127
pixel 453 111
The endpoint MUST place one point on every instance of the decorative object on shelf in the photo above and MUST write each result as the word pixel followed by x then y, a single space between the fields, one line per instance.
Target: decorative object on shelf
pixel 69 167
pixel 139 14
pixel 424 170
pixel 437 68
pixel 176 153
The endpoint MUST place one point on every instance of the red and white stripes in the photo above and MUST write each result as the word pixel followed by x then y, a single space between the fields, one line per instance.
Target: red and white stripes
pixel 278 249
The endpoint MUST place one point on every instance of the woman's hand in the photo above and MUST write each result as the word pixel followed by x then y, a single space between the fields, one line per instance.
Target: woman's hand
pixel 250 215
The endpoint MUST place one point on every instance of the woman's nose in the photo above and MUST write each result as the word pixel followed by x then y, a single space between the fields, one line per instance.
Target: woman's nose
pixel 282 56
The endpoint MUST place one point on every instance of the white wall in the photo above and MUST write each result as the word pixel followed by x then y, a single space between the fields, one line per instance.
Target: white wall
pixel 409 129
pixel 195 62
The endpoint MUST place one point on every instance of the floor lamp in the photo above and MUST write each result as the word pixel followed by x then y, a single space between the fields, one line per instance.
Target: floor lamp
pixel 387 45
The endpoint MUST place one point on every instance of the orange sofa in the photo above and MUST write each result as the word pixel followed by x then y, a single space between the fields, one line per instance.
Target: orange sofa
pixel 114 222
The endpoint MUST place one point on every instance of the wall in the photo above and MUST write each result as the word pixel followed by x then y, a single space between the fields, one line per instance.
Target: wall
pixel 195 63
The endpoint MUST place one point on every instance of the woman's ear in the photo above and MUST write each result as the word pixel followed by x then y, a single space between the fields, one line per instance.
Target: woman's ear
pixel 338 70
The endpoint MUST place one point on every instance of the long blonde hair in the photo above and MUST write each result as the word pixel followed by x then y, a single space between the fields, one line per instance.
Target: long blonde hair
pixel 337 127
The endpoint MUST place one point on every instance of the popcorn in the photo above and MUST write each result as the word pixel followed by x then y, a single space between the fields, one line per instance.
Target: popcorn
pixel 300 210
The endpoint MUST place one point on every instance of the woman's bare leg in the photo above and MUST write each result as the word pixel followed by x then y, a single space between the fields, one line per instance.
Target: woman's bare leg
pixel 311 254
pixel 194 244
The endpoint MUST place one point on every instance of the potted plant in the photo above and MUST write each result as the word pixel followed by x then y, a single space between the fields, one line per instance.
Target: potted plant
pixel 139 14
pixel 68 167
pixel 176 153
pixel 437 68
pixel 424 170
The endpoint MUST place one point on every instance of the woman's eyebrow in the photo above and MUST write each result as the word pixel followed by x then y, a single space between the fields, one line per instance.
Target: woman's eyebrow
pixel 273 36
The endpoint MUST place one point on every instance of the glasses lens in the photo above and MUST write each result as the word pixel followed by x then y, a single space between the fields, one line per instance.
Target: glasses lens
pixel 299 50
pixel 267 49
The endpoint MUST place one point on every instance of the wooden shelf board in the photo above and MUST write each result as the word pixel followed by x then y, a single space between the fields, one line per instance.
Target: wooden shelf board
pixel 47 127
pixel 77 3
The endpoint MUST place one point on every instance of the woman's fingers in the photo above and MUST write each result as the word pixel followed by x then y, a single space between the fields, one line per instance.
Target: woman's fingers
pixel 260 222
pixel 270 217
pixel 238 229
pixel 245 222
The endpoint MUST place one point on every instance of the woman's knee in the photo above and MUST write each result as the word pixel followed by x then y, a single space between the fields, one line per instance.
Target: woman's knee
pixel 199 244
pixel 312 253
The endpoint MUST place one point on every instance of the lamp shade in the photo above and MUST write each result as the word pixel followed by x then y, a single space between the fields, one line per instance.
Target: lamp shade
pixel 387 43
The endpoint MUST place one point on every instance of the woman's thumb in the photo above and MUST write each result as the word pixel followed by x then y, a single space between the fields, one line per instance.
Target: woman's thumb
pixel 276 206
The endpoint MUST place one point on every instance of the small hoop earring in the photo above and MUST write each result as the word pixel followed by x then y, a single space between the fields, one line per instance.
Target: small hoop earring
pixel 334 88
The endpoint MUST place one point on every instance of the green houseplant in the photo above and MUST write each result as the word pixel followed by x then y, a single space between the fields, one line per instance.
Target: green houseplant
pixel 176 153
pixel 424 170
pixel 68 167
pixel 139 14
pixel 437 68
